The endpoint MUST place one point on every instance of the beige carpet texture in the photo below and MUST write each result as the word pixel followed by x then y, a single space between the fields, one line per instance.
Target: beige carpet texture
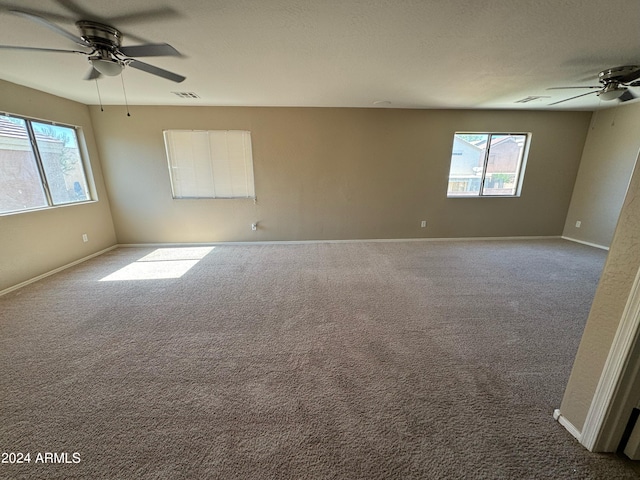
pixel 364 360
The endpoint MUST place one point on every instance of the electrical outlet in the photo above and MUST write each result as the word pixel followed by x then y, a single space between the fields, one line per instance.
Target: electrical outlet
pixel 254 226
pixel 423 224
pixel 578 223
pixel 85 238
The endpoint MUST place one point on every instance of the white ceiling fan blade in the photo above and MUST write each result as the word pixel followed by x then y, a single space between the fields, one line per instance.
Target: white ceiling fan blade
pixel 159 13
pixel 571 98
pixel 573 88
pixel 38 49
pixel 92 74
pixel 51 26
pixel 626 96
pixel 50 15
pixel 150 50
pixel 76 9
pixel 145 67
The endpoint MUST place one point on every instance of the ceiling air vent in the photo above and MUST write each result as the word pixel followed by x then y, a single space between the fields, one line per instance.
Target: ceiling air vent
pixel 186 94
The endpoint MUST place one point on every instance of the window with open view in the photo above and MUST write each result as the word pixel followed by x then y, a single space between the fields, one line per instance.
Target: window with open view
pixel 40 165
pixel 487 164
pixel 210 164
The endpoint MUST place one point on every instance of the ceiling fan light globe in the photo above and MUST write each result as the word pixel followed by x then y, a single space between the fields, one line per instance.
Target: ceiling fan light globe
pixel 107 67
pixel 612 94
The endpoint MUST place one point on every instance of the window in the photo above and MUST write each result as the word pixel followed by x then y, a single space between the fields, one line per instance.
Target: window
pixel 40 165
pixel 210 164
pixel 487 164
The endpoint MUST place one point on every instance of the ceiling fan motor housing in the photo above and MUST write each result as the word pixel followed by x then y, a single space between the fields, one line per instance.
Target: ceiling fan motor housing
pixel 102 36
pixel 624 74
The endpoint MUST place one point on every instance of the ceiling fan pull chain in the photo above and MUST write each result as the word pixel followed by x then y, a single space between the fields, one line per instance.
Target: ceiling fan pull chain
pixel 99 97
pixel 126 103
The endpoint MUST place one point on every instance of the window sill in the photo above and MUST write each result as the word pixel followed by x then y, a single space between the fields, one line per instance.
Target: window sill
pixel 41 209
pixel 483 196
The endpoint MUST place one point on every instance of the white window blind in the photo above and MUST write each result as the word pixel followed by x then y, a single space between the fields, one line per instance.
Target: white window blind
pixel 210 164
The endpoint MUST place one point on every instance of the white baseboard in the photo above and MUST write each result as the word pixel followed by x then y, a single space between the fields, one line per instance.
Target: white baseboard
pixel 53 272
pixel 359 240
pixel 601 247
pixel 557 415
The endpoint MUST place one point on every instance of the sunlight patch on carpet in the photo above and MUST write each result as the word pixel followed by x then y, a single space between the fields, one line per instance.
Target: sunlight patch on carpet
pixel 163 263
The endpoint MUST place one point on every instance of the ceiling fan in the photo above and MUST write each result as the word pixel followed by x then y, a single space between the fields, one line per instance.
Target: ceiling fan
pixel 102 45
pixel 614 83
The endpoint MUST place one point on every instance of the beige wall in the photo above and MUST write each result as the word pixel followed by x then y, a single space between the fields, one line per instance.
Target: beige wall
pixel 608 305
pixel 33 243
pixel 609 156
pixel 336 174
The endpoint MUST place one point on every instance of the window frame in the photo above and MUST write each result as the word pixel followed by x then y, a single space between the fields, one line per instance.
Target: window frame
pixel 520 169
pixel 37 157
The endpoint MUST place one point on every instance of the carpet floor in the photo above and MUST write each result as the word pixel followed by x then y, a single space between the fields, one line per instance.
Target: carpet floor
pixel 399 360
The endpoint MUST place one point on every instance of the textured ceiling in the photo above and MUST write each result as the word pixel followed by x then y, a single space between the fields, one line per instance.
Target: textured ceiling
pixel 339 53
